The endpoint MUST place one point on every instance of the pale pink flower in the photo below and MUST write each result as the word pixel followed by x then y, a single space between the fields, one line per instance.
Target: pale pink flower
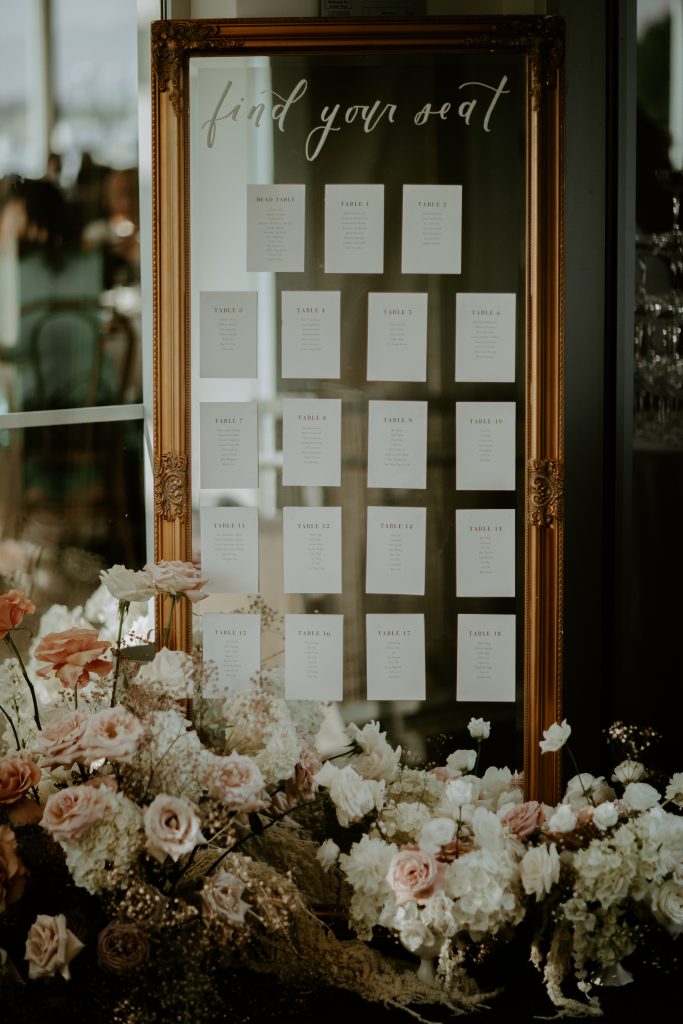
pixel 69 813
pixel 524 819
pixel 13 606
pixel 414 875
pixel 177 578
pixel 73 656
pixel 60 741
pixel 236 781
pixel 18 774
pixel 222 897
pixel 50 947
pixel 171 828
pixel 113 733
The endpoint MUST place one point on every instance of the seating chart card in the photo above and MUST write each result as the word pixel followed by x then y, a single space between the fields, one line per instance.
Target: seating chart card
pixel 395 550
pixel 397 444
pixel 229 445
pixel 232 647
pixel 486 658
pixel 397 336
pixel 311 432
pixel 485 552
pixel 395 651
pixel 432 229
pixel 354 229
pixel 314 657
pixel 485 446
pixel 228 334
pixel 311 335
pixel 485 336
pixel 312 550
pixel 276 216
pixel 229 548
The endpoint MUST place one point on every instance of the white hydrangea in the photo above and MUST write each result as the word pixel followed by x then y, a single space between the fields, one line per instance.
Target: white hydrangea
pixel 307 715
pixel 485 890
pixel 170 755
pixel 366 867
pixel 411 785
pixel 260 725
pixel 118 839
pixel 403 822
pixel 604 874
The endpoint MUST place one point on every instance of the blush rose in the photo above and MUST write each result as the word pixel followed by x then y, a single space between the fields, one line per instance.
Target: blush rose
pixel 69 813
pixel 73 655
pixel 50 947
pixel 414 875
pixel 60 742
pixel 18 774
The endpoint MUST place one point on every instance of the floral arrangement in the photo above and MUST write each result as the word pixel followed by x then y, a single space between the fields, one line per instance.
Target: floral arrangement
pixel 157 847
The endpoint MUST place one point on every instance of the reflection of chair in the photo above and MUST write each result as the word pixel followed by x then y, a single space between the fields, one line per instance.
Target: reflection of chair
pixel 65 355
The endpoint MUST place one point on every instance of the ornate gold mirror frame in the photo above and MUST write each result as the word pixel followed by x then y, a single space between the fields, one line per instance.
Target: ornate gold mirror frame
pixel 538 42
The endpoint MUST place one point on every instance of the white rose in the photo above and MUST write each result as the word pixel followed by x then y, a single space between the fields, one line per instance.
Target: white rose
pixel 327 854
pixel 605 815
pixel 540 870
pixel 352 795
pixel 639 796
pixel 488 830
pixel 50 947
pixel 378 760
pixel 436 833
pixel 674 791
pixel 479 729
pixel 459 792
pixel 667 903
pixel 462 761
pixel 172 577
pixel 555 737
pixel 562 820
pixel 171 828
pixel 173 670
pixel 497 780
pixel 628 771
pixel 127 584
pixel 585 788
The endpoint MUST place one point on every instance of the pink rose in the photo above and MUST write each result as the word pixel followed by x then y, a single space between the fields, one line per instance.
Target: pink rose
pixel 414 875
pixel 69 813
pixel 177 578
pixel 171 827
pixel 236 781
pixel 524 819
pixel 73 656
pixel 60 741
pixel 50 947
pixel 18 774
pixel 13 606
pixel 12 871
pixel 113 733
pixel 222 897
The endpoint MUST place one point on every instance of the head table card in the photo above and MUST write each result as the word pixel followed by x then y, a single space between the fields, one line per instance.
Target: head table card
pixel 397 444
pixel 485 446
pixel 276 236
pixel 229 445
pixel 228 334
pixel 432 229
pixel 232 647
pixel 395 550
pixel 395 650
pixel 486 658
pixel 311 335
pixel 354 229
pixel 229 549
pixel 312 550
pixel 485 552
pixel 314 657
pixel 311 442
pixel 485 336
pixel 397 336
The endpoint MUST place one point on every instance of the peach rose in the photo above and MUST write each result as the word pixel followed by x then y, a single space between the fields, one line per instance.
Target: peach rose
pixel 12 871
pixel 113 733
pixel 18 773
pixel 171 827
pixel 50 947
pixel 13 606
pixel 524 819
pixel 73 655
pixel 60 741
pixel 236 781
pixel 414 875
pixel 177 578
pixel 69 813
pixel 121 947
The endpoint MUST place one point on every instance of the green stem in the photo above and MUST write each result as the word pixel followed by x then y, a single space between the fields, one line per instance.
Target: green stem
pixel 123 611
pixel 13 647
pixel 476 763
pixel 167 627
pixel 14 731
pixel 587 795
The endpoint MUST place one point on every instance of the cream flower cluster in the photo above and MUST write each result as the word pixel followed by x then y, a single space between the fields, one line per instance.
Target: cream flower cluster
pixel 260 725
pixel 117 838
